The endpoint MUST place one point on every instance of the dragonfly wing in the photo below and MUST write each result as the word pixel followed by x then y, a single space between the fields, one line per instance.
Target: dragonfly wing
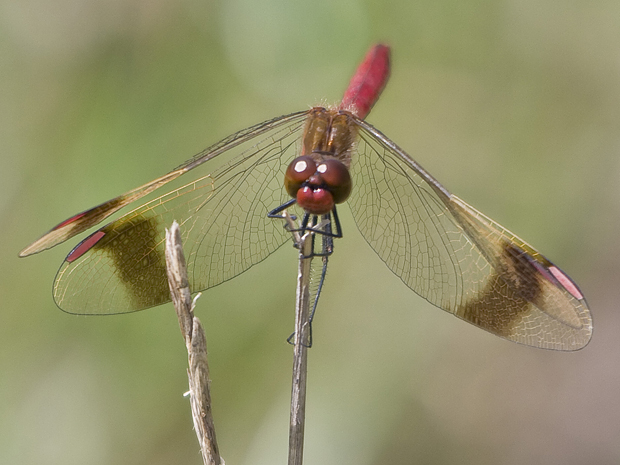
pixel 223 217
pixel 458 259
pixel 89 218
pixel 538 303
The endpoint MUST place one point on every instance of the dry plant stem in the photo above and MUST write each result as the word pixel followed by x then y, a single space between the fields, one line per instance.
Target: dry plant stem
pixel 300 361
pixel 196 344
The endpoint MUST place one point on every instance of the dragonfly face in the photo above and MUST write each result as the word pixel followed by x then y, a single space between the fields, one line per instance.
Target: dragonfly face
pixel 439 246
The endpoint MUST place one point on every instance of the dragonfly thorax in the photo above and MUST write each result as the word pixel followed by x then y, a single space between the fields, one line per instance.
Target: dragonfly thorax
pixel 329 133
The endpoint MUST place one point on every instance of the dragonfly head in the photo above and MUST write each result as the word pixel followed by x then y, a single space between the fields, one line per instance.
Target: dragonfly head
pixel 317 184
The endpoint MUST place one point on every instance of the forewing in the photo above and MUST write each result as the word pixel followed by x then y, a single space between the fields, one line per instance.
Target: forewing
pixel 87 219
pixel 223 217
pixel 455 257
pixel 93 216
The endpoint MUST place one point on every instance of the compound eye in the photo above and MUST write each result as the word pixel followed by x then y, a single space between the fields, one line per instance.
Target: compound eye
pixel 298 172
pixel 337 179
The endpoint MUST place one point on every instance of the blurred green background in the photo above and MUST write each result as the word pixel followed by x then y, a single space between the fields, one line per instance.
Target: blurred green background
pixel 513 105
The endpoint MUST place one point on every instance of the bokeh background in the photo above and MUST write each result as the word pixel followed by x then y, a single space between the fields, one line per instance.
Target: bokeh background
pixel 513 105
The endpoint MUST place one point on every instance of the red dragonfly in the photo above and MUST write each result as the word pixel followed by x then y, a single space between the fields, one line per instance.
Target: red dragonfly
pixel 439 246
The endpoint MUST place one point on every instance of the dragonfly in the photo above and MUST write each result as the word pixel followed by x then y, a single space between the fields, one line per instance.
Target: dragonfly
pixel 226 198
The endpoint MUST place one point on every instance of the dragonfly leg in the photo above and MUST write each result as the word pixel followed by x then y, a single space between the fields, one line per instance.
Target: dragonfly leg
pixel 277 212
pixel 327 238
pixel 308 344
pixel 325 229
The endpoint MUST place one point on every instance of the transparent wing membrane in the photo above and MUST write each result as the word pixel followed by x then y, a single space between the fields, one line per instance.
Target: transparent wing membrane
pixel 223 218
pixel 457 258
